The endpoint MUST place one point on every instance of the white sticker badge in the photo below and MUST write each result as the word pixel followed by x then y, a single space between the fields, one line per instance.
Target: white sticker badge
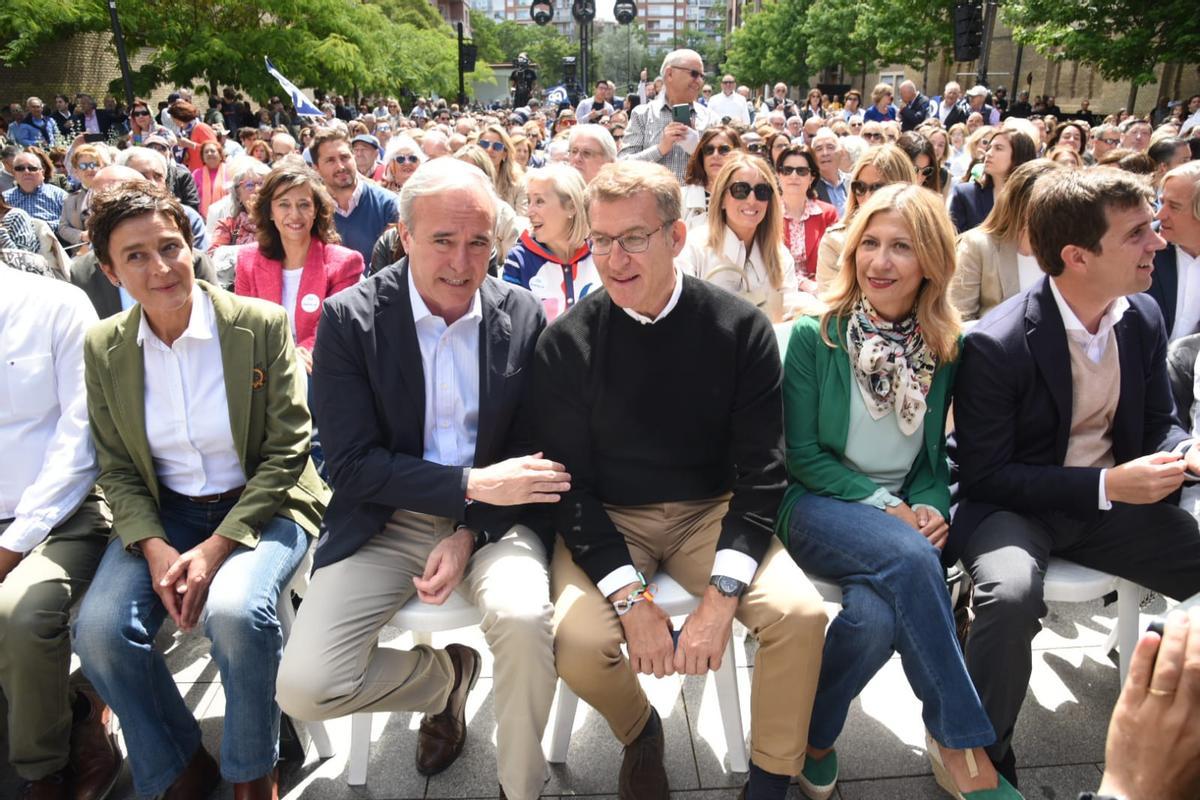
pixel 310 303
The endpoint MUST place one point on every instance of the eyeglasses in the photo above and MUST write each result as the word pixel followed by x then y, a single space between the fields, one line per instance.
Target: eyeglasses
pixel 141 112
pixel 1111 142
pixel 723 149
pixel 729 83
pixel 383 127
pixel 251 186
pixel 873 137
pixel 579 152
pixel 803 172
pixel 856 124
pixel 741 190
pixel 409 159
pixel 497 146
pixel 860 188
pixel 27 168
pixel 630 242
pixel 755 147
pixel 86 165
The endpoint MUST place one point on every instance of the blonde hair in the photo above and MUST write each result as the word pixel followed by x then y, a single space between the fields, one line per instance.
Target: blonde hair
pixel 892 164
pixel 932 237
pixel 879 91
pixel 509 173
pixel 571 191
pixel 769 235
pixel 1007 218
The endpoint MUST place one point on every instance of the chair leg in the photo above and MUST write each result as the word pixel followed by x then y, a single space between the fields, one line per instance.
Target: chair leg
pixel 731 711
pixel 319 735
pixel 1129 596
pixel 360 748
pixel 423 637
pixel 565 706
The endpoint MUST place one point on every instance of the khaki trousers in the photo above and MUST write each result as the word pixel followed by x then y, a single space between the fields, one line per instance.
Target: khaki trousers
pixel 333 666
pixel 781 608
pixel 35 639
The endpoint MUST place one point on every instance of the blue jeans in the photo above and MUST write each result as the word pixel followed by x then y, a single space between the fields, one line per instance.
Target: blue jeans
pixel 114 637
pixel 893 598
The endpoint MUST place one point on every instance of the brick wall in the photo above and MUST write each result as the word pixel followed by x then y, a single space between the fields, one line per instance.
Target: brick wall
pixel 85 62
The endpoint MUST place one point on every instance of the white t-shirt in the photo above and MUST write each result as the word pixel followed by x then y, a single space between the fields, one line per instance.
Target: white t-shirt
pixel 291 290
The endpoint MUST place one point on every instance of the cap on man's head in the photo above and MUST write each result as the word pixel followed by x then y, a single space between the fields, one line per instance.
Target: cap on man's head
pixel 367 138
pixel 157 139
pixel 977 91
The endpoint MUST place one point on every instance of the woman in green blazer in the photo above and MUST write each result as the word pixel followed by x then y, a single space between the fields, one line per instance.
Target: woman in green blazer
pixel 196 403
pixel 866 391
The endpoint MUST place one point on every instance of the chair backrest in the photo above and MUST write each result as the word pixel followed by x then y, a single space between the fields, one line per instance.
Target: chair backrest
pixel 1181 368
pixel 51 249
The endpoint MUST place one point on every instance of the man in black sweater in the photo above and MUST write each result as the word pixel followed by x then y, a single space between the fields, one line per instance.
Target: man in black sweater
pixel 661 395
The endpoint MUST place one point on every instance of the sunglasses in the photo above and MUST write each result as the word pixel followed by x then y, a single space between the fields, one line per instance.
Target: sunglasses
pixel 141 112
pixel 803 172
pixel 856 124
pixel 873 137
pixel 755 147
pixel 860 188
pixel 727 83
pixel 695 73
pixel 723 149
pixel 26 168
pixel 86 165
pixel 409 159
pixel 925 172
pixel 741 190
pixel 497 146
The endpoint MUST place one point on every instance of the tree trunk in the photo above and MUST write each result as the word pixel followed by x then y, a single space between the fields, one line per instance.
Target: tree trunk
pixel 863 83
pixel 1133 92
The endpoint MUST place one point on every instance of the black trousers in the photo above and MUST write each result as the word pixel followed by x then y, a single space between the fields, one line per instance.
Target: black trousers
pixel 1156 546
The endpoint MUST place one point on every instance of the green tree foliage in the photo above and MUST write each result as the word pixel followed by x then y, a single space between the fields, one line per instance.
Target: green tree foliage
pixel 836 37
pixel 502 42
pixel 621 53
pixel 348 46
pixel 1124 39
pixel 772 45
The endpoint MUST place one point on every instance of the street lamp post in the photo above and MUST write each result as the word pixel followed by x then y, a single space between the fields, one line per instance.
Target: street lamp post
pixel 584 11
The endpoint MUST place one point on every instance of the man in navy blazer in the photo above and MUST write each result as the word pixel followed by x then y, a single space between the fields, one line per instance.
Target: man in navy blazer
pixel 421 381
pixel 1177 266
pixel 1065 437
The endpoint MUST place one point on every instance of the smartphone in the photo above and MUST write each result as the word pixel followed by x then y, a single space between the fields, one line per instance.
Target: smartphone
pixel 95 137
pixel 682 113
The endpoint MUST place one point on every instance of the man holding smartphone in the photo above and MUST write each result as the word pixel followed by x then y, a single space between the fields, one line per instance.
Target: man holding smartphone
pixel 666 130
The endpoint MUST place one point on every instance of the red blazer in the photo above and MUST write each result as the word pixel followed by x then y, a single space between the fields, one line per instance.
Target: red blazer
pixel 814 229
pixel 328 269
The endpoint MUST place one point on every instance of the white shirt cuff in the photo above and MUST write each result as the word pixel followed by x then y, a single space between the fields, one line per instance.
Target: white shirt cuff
pixel 1104 504
pixel 24 534
pixel 617 579
pixel 736 565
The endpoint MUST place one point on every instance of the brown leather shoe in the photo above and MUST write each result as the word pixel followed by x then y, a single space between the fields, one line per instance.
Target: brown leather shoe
pixel 643 776
pixel 95 755
pixel 264 788
pixel 442 736
pixel 198 779
pixel 51 787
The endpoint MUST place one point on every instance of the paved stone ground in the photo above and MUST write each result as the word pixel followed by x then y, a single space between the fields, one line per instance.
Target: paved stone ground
pixel 1060 740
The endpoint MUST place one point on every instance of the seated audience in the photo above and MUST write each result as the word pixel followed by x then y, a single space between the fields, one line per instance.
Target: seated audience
pixel 363 210
pixel 401 160
pixel 86 160
pixel 805 218
pixel 236 226
pixel 495 142
pixel 1175 282
pixel 211 179
pixel 972 200
pixel 33 193
pixel 16 229
pixel 716 143
pixel 590 147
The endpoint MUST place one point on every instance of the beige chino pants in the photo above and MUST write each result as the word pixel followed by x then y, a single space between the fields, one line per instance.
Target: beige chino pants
pixel 333 666
pixel 781 608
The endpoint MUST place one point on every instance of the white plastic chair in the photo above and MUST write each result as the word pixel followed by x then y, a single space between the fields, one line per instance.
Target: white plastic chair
pixel 1068 582
pixel 423 620
pixel 316 732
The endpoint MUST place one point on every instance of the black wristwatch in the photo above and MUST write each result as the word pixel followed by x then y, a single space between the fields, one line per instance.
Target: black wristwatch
pixel 727 586
pixel 480 538
pixel 1096 796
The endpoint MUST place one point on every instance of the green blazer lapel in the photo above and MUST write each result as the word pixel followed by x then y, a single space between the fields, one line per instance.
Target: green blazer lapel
pixel 837 408
pixel 237 356
pixel 127 371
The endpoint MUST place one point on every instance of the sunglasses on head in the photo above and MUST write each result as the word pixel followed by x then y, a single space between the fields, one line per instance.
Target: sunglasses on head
pixel 723 149
pixel 741 190
pixel 861 188
pixel 803 172
pixel 497 146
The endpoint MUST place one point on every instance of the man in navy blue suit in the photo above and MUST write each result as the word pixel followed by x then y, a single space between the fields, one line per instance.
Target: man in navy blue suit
pixel 1176 285
pixel 1065 436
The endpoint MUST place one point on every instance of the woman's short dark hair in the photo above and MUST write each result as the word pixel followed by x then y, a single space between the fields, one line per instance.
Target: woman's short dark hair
pixel 695 173
pixel 288 175
pixel 125 201
pixel 183 111
pixel 805 152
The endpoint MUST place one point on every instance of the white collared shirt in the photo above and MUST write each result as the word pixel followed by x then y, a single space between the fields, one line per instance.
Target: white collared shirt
pixel 187 408
pixel 49 463
pixel 672 301
pixel 1093 344
pixel 360 186
pixel 450 361
pixel 1187 294
pixel 732 105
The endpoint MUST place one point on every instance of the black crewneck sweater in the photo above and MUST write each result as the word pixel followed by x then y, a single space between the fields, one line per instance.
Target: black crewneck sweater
pixel 687 408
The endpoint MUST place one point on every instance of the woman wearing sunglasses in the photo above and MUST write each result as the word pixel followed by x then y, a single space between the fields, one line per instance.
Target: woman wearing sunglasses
pixel 740 247
pixel 86 160
pixel 403 157
pixel 920 150
pixel 866 390
pixel 876 168
pixel 143 124
pixel 971 201
pixel 995 260
pixel 494 139
pixel 246 176
pixel 805 218
pixel 716 144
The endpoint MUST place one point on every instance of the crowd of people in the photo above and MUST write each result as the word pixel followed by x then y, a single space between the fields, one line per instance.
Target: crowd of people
pixel 538 355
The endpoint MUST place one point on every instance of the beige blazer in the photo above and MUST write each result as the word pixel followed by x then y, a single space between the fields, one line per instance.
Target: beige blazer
pixel 828 255
pixel 986 274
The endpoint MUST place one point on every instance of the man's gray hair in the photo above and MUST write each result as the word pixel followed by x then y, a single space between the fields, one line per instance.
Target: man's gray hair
pixel 438 175
pixel 600 134
pixel 953 84
pixel 827 133
pixel 130 153
pixel 673 58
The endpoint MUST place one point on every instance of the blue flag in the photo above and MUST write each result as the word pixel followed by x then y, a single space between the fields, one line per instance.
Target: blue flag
pixel 557 95
pixel 302 104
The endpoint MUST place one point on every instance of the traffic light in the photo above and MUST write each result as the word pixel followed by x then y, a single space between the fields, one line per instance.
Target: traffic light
pixel 968 30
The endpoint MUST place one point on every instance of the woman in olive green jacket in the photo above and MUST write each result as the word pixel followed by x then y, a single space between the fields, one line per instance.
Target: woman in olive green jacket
pixel 196 403
pixel 866 391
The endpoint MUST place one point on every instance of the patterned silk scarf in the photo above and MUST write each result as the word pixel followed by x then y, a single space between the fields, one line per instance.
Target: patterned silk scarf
pixel 892 366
